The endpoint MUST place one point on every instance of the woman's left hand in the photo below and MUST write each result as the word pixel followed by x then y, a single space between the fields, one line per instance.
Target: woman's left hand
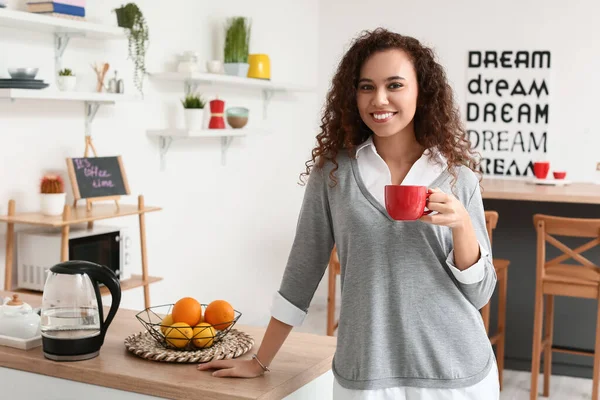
pixel 450 211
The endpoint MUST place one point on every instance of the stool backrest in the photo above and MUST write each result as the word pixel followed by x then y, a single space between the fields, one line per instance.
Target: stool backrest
pixel 334 261
pixel 548 226
pixel 491 220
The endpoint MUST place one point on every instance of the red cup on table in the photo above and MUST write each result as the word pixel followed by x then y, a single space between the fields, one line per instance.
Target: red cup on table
pixel 541 169
pixel 406 203
pixel 559 174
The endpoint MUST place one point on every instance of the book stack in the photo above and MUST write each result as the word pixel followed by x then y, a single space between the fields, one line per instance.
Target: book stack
pixel 72 9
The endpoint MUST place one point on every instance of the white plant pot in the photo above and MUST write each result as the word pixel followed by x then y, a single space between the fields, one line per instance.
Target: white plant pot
pixel 194 118
pixel 237 69
pixel 53 204
pixel 66 83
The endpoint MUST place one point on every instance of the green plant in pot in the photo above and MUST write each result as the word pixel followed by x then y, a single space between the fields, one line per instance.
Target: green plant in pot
pixel 130 16
pixel 193 111
pixel 237 40
pixel 66 80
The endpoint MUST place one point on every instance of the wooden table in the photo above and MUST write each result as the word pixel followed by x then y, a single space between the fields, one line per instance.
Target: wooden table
pixel 302 359
pixel 507 189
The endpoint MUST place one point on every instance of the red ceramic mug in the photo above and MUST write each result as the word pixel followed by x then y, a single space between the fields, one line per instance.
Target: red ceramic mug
pixel 541 169
pixel 406 203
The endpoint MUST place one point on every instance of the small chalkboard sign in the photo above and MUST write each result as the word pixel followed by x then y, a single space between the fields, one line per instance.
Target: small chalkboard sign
pixel 97 178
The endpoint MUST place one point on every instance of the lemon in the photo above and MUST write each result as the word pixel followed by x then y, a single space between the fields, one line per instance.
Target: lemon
pixel 179 334
pixel 203 335
pixel 166 323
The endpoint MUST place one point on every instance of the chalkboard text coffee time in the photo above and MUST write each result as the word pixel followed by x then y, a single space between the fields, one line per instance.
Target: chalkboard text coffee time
pixel 97 177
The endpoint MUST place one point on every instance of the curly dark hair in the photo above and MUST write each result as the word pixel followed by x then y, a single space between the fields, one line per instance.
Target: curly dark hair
pixel 437 119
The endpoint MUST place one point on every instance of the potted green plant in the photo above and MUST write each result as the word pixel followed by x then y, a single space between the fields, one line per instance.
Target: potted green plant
pixel 130 16
pixel 237 40
pixel 52 195
pixel 66 79
pixel 193 111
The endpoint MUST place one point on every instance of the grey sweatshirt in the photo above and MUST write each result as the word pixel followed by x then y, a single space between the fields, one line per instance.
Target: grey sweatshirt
pixel 405 320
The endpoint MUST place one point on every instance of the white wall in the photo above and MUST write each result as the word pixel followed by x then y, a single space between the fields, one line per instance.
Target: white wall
pixel 225 231
pixel 568 30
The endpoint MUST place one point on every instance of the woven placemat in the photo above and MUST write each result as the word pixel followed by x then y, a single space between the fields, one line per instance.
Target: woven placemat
pixel 233 345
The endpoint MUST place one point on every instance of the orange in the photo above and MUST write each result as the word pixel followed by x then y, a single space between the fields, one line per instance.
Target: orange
pixel 179 334
pixel 219 314
pixel 187 310
pixel 204 335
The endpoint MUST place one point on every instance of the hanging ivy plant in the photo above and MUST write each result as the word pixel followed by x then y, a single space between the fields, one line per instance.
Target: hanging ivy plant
pixel 131 17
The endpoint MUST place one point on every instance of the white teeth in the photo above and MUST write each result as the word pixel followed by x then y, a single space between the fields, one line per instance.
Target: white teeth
pixel 382 116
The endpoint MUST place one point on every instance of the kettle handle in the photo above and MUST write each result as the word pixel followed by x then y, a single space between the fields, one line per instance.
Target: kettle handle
pixel 107 277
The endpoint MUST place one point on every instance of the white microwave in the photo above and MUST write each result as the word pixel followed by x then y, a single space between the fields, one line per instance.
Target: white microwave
pixel 39 249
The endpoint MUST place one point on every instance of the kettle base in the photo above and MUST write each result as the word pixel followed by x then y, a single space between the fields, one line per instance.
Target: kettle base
pixel 78 357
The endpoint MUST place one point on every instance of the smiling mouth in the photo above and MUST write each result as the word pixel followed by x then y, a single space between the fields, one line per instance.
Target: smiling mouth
pixel 381 117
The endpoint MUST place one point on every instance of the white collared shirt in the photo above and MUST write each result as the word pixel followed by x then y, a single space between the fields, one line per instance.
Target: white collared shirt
pixel 376 175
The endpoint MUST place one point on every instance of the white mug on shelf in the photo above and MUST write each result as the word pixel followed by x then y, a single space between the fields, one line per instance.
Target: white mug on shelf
pixel 214 67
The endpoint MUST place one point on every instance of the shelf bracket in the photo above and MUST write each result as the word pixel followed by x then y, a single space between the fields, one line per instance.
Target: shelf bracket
pixel 190 87
pixel 164 142
pixel 267 95
pixel 61 41
pixel 91 108
pixel 225 143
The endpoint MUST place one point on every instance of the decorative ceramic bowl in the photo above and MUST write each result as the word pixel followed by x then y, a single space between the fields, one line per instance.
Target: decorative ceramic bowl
pixel 237 117
pixel 23 73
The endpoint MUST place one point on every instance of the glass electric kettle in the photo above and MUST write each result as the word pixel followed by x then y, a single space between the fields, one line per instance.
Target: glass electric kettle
pixel 72 323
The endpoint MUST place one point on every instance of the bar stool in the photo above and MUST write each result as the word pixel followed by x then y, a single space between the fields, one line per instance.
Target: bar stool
pixel 334 271
pixel 553 278
pixel 501 268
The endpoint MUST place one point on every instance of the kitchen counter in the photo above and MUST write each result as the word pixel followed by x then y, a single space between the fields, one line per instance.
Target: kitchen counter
pixel 301 369
pixel 509 189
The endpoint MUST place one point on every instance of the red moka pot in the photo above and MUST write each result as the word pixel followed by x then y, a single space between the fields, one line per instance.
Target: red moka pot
pixel 217 107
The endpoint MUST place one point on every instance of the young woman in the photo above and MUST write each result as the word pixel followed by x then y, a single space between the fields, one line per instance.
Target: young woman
pixel 409 324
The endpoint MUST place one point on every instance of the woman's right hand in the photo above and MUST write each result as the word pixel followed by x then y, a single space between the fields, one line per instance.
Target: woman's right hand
pixel 233 368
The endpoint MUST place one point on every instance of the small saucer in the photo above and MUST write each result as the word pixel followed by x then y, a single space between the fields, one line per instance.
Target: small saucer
pixel 549 182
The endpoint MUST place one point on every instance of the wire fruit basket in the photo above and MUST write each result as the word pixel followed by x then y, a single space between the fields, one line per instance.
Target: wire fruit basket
pixel 180 336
